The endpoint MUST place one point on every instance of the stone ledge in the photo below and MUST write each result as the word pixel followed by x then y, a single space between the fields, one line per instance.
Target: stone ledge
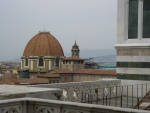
pixel 69 105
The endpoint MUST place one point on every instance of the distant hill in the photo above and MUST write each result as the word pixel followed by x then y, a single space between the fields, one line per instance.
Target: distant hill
pixel 108 58
pixel 94 53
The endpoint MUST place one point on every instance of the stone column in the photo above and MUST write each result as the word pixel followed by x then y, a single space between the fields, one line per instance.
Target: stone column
pixel 31 64
pixel 21 64
pixel 50 64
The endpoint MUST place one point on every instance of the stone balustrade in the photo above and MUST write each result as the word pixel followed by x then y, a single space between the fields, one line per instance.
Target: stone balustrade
pixel 36 105
pixel 72 91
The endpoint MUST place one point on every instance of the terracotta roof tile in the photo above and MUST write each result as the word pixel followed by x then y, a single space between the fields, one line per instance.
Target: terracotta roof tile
pixel 95 72
pixel 32 81
pixel 9 79
pixel 48 75
pixel 61 70
pixel 43 44
pixel 10 76
pixel 9 82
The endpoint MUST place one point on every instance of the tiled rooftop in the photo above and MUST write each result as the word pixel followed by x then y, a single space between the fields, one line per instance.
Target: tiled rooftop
pixel 49 75
pixel 61 70
pixel 95 72
pixel 87 71
pixel 31 81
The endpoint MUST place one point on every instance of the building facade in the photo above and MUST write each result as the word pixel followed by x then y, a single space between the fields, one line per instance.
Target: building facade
pixel 42 53
pixel 74 62
pixel 133 40
pixel 72 70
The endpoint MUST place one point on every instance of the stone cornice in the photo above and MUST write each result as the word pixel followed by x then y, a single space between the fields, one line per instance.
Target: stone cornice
pixel 135 45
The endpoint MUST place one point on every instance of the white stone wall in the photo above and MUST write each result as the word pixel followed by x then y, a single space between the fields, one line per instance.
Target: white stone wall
pixel 122 24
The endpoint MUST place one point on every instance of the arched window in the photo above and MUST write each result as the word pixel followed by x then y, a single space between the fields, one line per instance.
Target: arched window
pixel 26 61
pixel 57 62
pixel 41 62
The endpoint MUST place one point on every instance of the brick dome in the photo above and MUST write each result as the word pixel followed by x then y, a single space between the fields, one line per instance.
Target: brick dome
pixel 43 44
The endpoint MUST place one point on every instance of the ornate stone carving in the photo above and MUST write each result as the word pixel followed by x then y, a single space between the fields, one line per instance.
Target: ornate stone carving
pixel 65 97
pixel 133 52
pixel 70 111
pixel 44 111
pixel 12 110
pixel 87 89
pixel 76 93
pixel 114 90
pixel 106 91
pixel 58 95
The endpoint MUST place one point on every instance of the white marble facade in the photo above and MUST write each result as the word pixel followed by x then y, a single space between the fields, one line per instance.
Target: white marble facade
pixel 133 53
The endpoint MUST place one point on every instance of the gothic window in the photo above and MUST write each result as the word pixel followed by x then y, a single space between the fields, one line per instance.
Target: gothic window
pixel 26 61
pixel 133 19
pixel 139 12
pixel 41 62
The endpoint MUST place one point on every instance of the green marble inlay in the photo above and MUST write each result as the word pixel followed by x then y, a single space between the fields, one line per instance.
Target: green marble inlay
pixel 134 64
pixel 133 77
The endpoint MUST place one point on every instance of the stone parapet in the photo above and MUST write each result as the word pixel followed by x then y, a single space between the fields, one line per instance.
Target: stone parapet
pixel 33 105
pixel 72 91
pixel 13 91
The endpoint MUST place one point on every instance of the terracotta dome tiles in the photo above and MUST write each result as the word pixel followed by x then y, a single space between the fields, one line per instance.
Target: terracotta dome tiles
pixel 43 44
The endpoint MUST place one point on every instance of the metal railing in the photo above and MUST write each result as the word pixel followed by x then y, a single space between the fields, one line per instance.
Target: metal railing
pixel 121 96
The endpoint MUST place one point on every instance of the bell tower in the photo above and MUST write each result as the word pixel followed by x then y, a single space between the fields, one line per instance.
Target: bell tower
pixel 75 50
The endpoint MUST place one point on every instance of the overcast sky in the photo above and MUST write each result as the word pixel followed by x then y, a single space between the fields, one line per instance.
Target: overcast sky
pixel 91 22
